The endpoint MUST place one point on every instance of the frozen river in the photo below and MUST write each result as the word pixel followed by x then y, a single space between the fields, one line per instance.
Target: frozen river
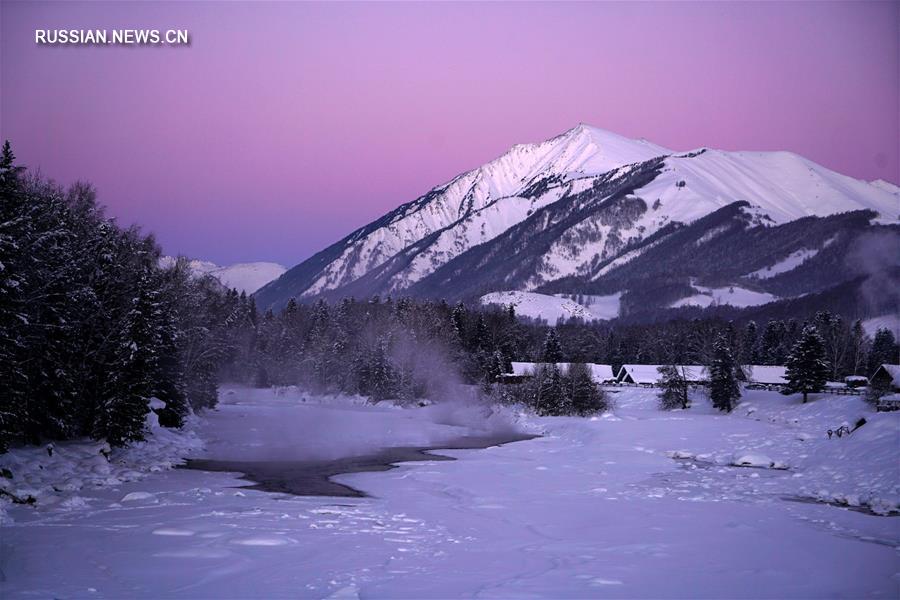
pixel 592 508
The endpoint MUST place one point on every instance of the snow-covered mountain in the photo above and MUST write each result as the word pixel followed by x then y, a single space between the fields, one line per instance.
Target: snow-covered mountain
pixel 244 277
pixel 576 209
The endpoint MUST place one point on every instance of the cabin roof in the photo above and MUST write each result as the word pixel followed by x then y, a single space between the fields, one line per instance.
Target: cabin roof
pixel 650 373
pixel 766 374
pixel 599 373
pixel 892 370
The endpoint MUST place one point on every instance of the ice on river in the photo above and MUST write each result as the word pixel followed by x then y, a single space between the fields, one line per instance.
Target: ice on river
pixel 639 503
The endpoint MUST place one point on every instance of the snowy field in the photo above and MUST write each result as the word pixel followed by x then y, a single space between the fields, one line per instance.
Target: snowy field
pixel 556 307
pixel 634 503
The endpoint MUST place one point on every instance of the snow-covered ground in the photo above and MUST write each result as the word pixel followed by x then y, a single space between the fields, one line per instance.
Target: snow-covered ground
pixel 556 307
pixel 733 295
pixel 789 263
pixel 635 503
pixel 244 277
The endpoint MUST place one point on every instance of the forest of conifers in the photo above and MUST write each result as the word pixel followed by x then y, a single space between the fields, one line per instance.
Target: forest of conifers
pixel 92 326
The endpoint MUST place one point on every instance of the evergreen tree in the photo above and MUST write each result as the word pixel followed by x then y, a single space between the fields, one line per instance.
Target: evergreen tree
pixel 772 350
pixel 884 351
pixel 673 388
pixel 551 398
pixel 552 350
pixel 586 396
pixel 481 339
pixel 458 317
pixel 857 348
pixel 723 384
pixel 749 344
pixel 807 370
pixel 382 378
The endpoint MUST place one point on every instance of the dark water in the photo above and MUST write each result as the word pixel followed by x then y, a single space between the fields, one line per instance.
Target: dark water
pixel 313 477
pixel 860 509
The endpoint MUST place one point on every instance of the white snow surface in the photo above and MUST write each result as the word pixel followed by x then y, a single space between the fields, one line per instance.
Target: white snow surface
pixel 478 205
pixel 782 185
pixel 244 277
pixel 765 374
pixel 248 277
pixel 78 467
pixel 789 263
pixel 733 295
pixel 887 186
pixel 556 307
pixel 599 373
pixel 634 503
pixel 484 202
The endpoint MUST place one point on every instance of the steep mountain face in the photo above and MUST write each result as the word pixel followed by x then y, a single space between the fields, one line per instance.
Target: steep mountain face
pixel 469 210
pixel 592 212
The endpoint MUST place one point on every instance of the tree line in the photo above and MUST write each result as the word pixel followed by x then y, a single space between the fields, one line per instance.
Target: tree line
pixel 91 326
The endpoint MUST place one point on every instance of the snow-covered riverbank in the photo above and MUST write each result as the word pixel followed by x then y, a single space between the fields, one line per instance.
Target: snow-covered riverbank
pixel 638 503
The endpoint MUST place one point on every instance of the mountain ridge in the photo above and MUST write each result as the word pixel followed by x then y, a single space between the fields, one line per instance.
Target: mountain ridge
pixel 601 196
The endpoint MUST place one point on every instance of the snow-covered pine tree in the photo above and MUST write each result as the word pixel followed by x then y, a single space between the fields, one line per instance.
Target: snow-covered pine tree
pixel 498 366
pixel 134 353
pixel 807 370
pixel 382 377
pixel 587 397
pixel 857 360
pixel 481 339
pixel 15 230
pixel 749 341
pixel 884 350
pixel 724 389
pixel 551 396
pixel 552 350
pixel 673 388
pixel 458 319
pixel 772 345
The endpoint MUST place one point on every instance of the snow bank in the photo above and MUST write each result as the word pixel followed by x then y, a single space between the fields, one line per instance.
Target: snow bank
pixel 54 473
pixel 859 469
pixel 732 295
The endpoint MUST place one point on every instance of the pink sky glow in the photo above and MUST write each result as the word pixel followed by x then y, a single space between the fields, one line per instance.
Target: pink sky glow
pixel 284 126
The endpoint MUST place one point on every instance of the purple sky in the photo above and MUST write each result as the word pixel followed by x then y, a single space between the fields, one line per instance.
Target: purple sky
pixel 286 125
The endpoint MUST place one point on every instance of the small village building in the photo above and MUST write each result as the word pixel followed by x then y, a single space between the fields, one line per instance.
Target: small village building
pixel 856 381
pixel 649 375
pixel 887 403
pixel 601 374
pixel 886 377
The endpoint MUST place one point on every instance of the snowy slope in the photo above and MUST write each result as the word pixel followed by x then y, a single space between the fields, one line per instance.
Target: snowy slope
pixel 248 277
pixel 733 295
pixel 479 206
pixel 467 203
pixel 783 185
pixel 635 503
pixel 554 308
pixel 887 186
pixel 791 262
pixel 244 277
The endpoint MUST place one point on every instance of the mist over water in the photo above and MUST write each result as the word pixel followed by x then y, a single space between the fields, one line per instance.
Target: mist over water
pixel 290 424
pixel 878 256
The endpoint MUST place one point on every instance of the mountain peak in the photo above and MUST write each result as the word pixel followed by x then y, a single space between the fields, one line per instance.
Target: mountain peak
pixel 572 191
